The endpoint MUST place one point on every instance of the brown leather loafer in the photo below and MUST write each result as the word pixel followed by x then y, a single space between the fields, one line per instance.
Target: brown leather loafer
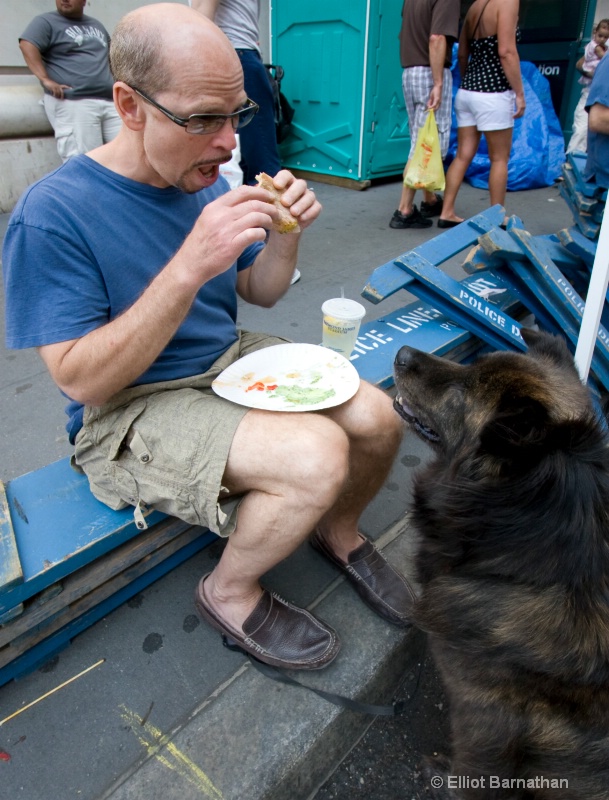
pixel 277 633
pixel 379 584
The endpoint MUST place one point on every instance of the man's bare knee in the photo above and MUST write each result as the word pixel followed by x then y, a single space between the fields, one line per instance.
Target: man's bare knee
pixel 321 461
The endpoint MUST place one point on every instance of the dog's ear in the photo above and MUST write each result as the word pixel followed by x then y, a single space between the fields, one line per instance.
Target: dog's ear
pixel 546 344
pixel 518 428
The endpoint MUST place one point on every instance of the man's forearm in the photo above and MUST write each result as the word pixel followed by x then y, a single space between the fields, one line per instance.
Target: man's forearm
pixel 206 7
pixel 33 59
pixel 437 57
pixel 598 118
pixel 269 277
pixel 94 368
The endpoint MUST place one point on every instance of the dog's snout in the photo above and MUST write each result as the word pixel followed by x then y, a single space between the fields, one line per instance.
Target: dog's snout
pixel 406 357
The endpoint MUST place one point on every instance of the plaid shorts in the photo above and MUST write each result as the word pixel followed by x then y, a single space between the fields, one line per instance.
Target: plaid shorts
pixel 417 83
pixel 165 445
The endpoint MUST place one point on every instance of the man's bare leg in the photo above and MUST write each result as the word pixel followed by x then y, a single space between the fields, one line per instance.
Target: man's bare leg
pixel 407 196
pixel 375 432
pixel 313 471
pixel 293 468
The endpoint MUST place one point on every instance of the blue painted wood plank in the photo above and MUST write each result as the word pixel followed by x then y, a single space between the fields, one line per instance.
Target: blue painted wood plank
pixel 386 279
pixel 517 275
pixel 550 315
pixel 573 240
pixel 417 324
pixel 423 326
pixel 582 201
pixel 514 222
pixel 454 299
pixel 557 285
pixel 562 293
pixel 584 221
pixel 499 244
pixel 577 163
pixel 59 526
pixel 452 242
pixel 10 565
pixel 478 260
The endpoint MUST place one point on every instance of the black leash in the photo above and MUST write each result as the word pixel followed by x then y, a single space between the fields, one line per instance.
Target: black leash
pixel 393 710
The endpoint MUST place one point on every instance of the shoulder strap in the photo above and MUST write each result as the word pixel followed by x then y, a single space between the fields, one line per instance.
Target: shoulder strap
pixel 393 710
pixel 479 18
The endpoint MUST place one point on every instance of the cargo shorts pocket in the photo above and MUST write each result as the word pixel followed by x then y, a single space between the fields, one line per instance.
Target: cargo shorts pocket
pixel 98 450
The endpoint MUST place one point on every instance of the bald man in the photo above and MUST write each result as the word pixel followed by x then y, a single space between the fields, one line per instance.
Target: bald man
pixel 123 268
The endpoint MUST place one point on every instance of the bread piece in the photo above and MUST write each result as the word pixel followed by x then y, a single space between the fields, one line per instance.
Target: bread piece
pixel 286 222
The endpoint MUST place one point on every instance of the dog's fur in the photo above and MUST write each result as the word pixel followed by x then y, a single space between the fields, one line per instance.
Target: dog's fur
pixel 513 516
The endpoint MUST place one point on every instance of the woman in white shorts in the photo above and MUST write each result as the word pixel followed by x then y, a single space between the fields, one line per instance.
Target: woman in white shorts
pixel 490 97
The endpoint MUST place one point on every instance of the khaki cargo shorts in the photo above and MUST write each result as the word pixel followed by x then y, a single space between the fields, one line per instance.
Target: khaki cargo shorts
pixel 165 445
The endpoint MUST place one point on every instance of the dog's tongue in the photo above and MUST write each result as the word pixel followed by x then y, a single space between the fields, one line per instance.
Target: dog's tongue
pixel 408 413
pixel 405 407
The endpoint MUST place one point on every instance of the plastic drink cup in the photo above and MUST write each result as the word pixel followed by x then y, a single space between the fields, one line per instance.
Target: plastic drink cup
pixel 341 322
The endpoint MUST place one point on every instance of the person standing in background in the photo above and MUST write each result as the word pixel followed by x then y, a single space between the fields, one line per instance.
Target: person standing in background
pixel 429 28
pixel 239 19
pixel 68 52
pixel 597 106
pixel 595 50
pixel 490 98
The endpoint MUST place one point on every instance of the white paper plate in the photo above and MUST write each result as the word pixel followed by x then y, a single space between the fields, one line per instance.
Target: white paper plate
pixel 289 377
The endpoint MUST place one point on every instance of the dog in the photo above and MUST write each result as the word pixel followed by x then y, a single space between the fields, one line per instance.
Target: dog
pixel 512 511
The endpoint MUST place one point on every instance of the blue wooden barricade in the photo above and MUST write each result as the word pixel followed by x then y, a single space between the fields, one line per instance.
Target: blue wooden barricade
pixel 426 327
pixel 68 560
pixel 542 274
pixel 389 278
pixel 585 199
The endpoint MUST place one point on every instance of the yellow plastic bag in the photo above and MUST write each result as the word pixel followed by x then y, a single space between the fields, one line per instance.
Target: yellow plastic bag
pixel 426 170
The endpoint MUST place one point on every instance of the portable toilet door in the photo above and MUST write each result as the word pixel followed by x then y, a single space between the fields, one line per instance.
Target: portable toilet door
pixel 386 134
pixel 343 78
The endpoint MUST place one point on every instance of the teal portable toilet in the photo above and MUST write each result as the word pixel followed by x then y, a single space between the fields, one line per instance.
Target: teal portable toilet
pixel 344 80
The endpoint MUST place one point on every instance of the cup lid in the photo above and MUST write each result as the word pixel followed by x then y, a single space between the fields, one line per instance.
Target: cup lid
pixel 344 308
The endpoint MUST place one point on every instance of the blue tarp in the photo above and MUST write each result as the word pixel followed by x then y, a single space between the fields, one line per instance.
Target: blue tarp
pixel 538 146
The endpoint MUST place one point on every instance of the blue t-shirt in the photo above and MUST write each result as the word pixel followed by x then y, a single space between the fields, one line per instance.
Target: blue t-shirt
pixel 81 246
pixel 597 164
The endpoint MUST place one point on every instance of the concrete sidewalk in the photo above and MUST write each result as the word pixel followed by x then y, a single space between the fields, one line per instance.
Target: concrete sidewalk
pixel 170 713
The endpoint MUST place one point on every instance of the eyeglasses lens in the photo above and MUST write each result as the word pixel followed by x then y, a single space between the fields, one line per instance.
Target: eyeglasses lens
pixel 210 124
pixel 245 117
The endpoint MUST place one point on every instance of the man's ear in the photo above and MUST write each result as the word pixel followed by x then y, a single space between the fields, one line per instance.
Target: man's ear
pixel 128 106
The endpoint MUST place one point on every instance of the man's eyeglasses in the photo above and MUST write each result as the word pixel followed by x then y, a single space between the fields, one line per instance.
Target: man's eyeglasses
pixel 201 124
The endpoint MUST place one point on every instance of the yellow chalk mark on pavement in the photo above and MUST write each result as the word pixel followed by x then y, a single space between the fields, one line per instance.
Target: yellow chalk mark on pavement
pixel 52 691
pixel 158 746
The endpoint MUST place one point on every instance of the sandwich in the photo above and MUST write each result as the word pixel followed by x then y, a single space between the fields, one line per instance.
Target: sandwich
pixel 286 222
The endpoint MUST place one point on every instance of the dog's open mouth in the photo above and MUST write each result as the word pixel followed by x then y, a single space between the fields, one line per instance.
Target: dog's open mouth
pixel 406 413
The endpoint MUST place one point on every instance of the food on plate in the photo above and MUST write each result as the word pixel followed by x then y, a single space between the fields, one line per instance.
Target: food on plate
pixel 304 395
pixel 293 394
